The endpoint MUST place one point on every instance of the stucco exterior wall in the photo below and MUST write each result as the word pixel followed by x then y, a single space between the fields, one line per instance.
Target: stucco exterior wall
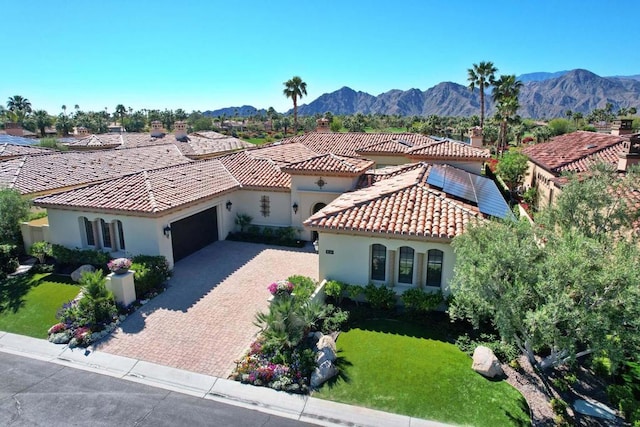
pixel 542 179
pixel 248 202
pixel 347 258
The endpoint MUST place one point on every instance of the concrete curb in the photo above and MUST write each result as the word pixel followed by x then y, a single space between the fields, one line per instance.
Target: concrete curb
pixel 299 407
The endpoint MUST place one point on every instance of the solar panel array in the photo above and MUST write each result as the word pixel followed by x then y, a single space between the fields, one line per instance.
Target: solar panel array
pixel 476 189
pixel 10 139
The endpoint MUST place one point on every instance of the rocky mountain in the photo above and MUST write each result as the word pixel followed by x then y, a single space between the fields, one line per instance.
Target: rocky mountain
pixel 576 90
pixel 244 111
pixel 540 76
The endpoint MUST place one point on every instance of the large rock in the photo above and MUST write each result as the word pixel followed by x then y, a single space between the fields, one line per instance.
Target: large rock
pixel 325 354
pixel 322 373
pixel 486 363
pixel 75 276
pixel 326 341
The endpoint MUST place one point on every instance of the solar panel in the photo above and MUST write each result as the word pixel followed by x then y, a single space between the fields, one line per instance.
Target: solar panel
pixel 473 188
pixel 16 140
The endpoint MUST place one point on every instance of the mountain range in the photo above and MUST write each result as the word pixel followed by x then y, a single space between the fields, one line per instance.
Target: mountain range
pixel 543 95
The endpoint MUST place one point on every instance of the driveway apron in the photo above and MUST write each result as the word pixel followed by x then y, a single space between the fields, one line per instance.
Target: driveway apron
pixel 203 322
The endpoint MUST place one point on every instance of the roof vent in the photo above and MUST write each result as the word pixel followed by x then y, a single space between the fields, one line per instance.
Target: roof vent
pixel 590 146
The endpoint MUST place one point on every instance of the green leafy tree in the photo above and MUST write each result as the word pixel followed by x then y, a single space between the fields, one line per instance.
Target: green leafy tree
pixel 561 126
pixel 512 168
pixel 570 288
pixel 42 120
pixel 13 210
pixel 295 88
pixel 481 75
pixel 64 125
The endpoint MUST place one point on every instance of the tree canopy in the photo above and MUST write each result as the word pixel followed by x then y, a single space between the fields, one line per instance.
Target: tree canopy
pixel 569 288
pixel 13 209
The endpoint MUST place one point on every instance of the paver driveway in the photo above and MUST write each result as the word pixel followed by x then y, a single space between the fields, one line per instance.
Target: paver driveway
pixel 204 320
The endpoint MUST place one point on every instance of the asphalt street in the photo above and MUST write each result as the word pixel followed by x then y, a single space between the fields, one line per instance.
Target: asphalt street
pixel 37 393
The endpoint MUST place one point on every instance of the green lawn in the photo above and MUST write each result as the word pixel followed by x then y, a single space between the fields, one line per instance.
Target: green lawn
pixel 399 367
pixel 29 303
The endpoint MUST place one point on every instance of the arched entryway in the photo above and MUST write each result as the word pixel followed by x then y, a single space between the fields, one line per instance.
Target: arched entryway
pixel 316 208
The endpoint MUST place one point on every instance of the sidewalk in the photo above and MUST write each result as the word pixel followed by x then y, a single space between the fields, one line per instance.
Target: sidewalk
pixel 297 407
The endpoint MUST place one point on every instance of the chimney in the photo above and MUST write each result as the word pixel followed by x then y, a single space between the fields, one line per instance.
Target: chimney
pixel 622 127
pixel 630 154
pixel 156 129
pixel 475 136
pixel 180 130
pixel 13 129
pixel 322 125
pixel 82 132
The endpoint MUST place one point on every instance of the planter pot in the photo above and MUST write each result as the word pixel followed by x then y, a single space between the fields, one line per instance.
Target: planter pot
pixel 121 271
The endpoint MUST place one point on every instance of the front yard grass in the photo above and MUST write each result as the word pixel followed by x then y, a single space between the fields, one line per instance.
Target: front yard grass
pixel 29 303
pixel 404 368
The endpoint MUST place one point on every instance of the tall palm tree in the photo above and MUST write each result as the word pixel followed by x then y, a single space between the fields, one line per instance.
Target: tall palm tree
pixel 481 75
pixel 121 111
pixel 18 102
pixel 295 88
pixel 505 94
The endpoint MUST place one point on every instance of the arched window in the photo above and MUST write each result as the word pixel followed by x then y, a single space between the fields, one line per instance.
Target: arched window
pixel 106 234
pixel 87 228
pixel 405 265
pixel 120 233
pixel 378 262
pixel 434 267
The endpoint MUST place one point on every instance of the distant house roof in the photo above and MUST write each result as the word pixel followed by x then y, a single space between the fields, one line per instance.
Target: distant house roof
pixel 403 204
pixel 150 192
pixel 330 165
pixel 255 172
pixel 348 144
pixel 9 151
pixel 576 151
pixel 45 173
pixel 448 149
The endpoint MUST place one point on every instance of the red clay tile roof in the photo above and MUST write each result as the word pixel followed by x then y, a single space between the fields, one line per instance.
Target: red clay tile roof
pixel 253 172
pixel 149 192
pixel 104 140
pixel 347 144
pixel 575 151
pixel 400 205
pixel 375 175
pixel 448 149
pixel 49 172
pixel 330 164
pixel 283 154
pixel 392 146
pixel 8 151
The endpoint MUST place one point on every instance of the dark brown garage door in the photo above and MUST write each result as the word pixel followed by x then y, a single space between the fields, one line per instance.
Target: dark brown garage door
pixel 194 233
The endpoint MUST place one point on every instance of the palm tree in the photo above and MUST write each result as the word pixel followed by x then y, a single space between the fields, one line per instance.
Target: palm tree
pixel 505 94
pixel 42 121
pixel 20 107
pixel 64 109
pixel 295 88
pixel 121 111
pixel 481 75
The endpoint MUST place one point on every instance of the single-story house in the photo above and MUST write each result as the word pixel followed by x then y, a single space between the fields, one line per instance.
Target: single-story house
pixel 576 152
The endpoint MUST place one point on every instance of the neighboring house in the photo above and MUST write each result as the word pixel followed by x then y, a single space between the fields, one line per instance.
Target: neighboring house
pixel 576 152
pixel 196 146
pixel 176 210
pixel 397 230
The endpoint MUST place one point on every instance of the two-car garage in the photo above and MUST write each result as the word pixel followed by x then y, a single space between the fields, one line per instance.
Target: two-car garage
pixel 194 232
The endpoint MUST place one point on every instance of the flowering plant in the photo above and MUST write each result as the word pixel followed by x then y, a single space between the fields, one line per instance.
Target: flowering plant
pixel 119 264
pixel 281 287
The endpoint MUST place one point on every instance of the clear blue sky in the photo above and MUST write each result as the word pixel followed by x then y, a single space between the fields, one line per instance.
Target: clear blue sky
pixel 200 55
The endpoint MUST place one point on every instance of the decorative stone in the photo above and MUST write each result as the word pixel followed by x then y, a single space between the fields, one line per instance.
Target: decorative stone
pixel 326 341
pixel 326 354
pixel 486 363
pixel 323 373
pixel 59 338
pixel 77 273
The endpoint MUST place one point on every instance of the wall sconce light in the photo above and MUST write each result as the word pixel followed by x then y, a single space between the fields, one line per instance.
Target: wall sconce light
pixel 295 207
pixel 167 231
pixel 228 205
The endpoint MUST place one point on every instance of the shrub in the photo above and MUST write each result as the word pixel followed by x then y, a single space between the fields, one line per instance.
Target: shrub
pixel 68 256
pixel 8 259
pixel 503 350
pixel 334 319
pixel 380 297
pixel 334 289
pixel 41 250
pixel 419 302
pixel 354 291
pixel 150 273
pixel 303 287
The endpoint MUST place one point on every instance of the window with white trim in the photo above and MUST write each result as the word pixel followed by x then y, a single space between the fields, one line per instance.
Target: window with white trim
pixel 405 265
pixel 378 262
pixel 435 259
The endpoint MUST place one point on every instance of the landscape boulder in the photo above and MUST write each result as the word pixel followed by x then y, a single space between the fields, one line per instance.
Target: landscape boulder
pixel 325 371
pixel 326 341
pixel 75 276
pixel 486 363
pixel 325 353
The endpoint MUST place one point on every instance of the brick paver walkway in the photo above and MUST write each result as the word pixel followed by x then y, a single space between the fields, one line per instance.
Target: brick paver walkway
pixel 204 321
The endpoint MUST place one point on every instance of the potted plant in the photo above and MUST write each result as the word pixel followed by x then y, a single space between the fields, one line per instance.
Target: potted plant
pixel 119 265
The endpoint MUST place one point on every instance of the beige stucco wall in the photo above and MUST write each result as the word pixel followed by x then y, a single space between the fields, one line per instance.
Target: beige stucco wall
pixel 350 260
pixel 542 179
pixel 248 202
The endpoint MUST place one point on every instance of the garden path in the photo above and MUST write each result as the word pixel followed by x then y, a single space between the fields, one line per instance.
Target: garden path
pixel 204 321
